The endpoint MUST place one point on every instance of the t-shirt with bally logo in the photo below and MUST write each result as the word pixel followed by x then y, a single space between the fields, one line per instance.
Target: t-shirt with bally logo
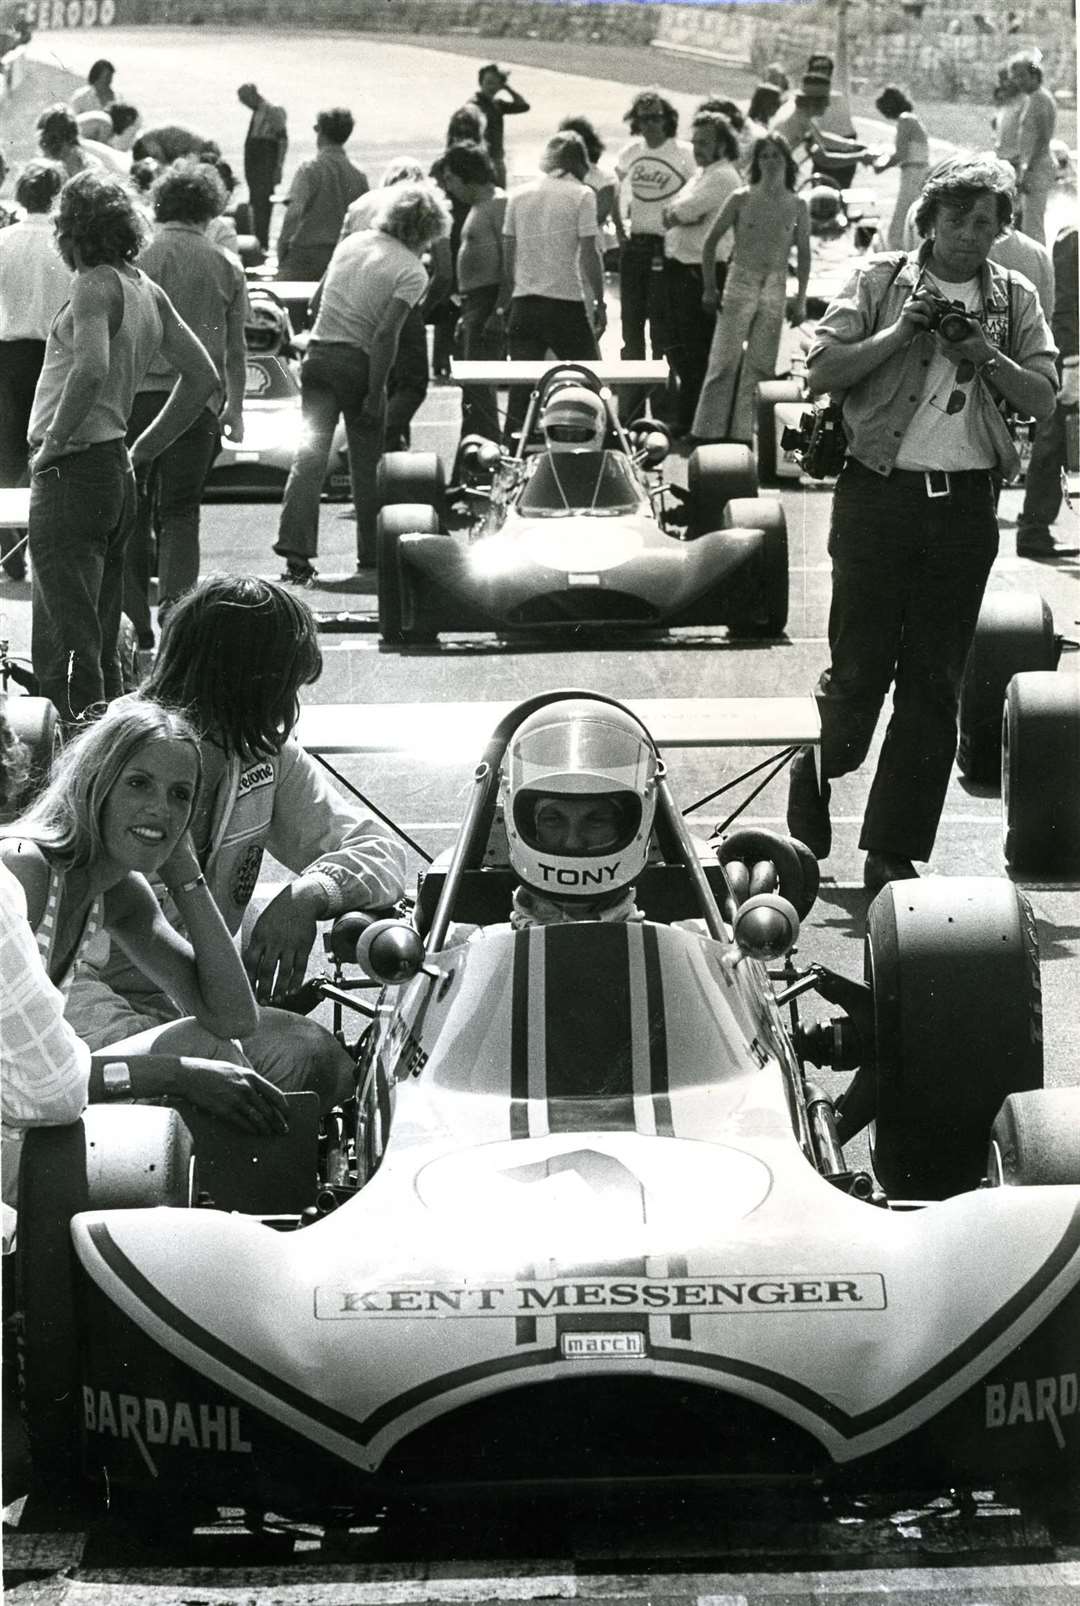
pixel 653 174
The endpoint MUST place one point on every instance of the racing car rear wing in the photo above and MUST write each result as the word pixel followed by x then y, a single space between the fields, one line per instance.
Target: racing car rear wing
pixel 446 730
pixel 505 374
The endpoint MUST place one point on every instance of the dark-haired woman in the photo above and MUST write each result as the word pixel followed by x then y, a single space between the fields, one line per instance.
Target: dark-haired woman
pixel 911 154
pixel 82 488
pixel 235 654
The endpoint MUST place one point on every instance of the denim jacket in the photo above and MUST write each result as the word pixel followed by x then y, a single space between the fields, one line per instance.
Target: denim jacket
pixel 878 410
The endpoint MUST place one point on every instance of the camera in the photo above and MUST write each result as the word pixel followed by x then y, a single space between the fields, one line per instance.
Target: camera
pixel 819 444
pixel 951 319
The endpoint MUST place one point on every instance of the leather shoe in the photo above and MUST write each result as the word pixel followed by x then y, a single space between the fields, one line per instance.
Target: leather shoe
pixel 808 805
pixel 1041 544
pixel 881 868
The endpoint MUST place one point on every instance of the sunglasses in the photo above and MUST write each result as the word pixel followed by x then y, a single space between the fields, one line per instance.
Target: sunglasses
pixel 957 400
pixel 650 117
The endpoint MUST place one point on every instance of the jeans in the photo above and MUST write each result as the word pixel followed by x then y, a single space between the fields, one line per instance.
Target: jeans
pixel 20 366
pixel 408 383
pixel 173 492
pixel 479 410
pixel 908 575
pixel 82 510
pixel 752 315
pixel 691 330
pixel 1042 485
pixel 642 292
pixel 333 384
pixel 537 325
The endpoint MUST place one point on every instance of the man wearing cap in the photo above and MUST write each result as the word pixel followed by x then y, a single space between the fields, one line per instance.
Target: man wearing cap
pixel 265 145
pixel 833 155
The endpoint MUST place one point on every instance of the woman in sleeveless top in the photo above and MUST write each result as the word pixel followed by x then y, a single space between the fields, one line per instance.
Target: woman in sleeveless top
pixel 767 218
pixel 117 810
pixel 911 154
pixel 82 481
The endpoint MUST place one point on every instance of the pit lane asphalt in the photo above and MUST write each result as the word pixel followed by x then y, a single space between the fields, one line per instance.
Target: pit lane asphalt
pixel 942 1554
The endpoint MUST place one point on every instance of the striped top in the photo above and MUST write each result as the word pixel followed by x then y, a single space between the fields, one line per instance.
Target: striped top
pixel 46 931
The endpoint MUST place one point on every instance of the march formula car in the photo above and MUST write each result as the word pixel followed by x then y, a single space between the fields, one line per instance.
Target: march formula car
pixel 257 467
pixel 595 1220
pixel 585 540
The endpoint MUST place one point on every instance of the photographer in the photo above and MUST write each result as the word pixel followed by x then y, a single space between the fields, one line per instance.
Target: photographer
pixel 925 351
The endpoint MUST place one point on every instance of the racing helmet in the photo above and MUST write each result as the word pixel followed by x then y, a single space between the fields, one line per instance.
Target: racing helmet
pixel 826 206
pixel 267 327
pixel 578 787
pixel 573 419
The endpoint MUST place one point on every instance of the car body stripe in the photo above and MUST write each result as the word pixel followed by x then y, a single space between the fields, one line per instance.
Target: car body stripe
pixel 658 1046
pixel 519 1038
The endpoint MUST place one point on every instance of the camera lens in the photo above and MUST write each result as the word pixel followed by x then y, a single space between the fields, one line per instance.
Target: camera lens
pixel 955 326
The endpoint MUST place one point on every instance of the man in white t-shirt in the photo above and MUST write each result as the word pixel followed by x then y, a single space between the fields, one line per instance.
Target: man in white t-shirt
pixel 551 265
pixel 651 169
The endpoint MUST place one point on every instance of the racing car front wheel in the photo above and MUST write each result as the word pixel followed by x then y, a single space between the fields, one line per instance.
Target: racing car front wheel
pixel 1040 772
pixel 1015 632
pixel 953 965
pixel 33 723
pixel 771 395
pixel 410 477
pixel 761 587
pixel 398 623
pixel 120 1157
pixel 715 475
pixel 1035 1140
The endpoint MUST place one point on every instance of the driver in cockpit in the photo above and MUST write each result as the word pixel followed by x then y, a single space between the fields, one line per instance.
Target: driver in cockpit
pixel 573 473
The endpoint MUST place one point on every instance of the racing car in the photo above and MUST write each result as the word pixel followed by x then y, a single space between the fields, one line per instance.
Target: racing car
pixel 564 534
pixel 595 1221
pixel 257 467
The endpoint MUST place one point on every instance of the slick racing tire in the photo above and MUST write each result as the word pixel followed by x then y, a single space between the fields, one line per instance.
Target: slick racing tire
pixel 34 723
pixel 769 397
pixel 397 624
pixel 764 582
pixel 953 966
pixel 716 475
pixel 123 1157
pixel 1035 1140
pixel 1040 772
pixel 1015 632
pixel 410 477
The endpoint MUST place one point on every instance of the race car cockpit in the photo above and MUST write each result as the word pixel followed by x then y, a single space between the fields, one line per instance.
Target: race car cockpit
pixel 579 482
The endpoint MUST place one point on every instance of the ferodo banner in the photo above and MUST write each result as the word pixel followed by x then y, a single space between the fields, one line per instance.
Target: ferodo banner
pixel 70 13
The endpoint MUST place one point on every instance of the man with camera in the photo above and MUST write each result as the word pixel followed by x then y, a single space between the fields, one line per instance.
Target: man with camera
pixel 928 353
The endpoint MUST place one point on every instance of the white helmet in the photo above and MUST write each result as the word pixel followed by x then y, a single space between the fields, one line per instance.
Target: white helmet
pixel 579 797
pixel 573 419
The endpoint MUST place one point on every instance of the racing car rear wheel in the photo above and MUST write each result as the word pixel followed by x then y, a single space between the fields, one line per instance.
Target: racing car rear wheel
pixel 123 1157
pixel 410 477
pixel 1015 632
pixel 770 395
pixel 764 581
pixel 1040 772
pixel 715 475
pixel 33 722
pixel 953 965
pixel 397 621
pixel 1035 1140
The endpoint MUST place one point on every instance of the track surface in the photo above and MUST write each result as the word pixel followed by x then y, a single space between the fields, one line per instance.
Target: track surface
pixel 730 1550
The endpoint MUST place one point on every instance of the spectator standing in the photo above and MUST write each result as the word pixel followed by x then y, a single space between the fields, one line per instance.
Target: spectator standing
pixel 1012 249
pixel 82 495
pixel 766 217
pixel 550 264
pixel 1042 490
pixel 744 135
pixel 375 277
pixel 320 193
pixel 97 92
pixel 265 144
pixel 34 285
pixel 58 141
pixel 911 154
pixel 651 170
pixel 236 653
pixel 600 179
pixel 763 107
pixel 1035 164
pixel 208 292
pixel 1009 102
pixel 469 177
pixel 497 101
pixel 687 220
pixel 914 528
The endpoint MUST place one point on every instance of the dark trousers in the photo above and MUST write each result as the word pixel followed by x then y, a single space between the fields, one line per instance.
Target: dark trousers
pixel 479 409
pixel 333 385
pixel 1042 485
pixel 908 574
pixel 408 382
pixel 20 365
pixel 690 331
pixel 260 174
pixel 538 325
pixel 172 492
pixel 642 293
pixel 82 510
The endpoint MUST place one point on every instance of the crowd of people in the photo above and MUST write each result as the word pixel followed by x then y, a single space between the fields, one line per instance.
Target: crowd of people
pixel 123 302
